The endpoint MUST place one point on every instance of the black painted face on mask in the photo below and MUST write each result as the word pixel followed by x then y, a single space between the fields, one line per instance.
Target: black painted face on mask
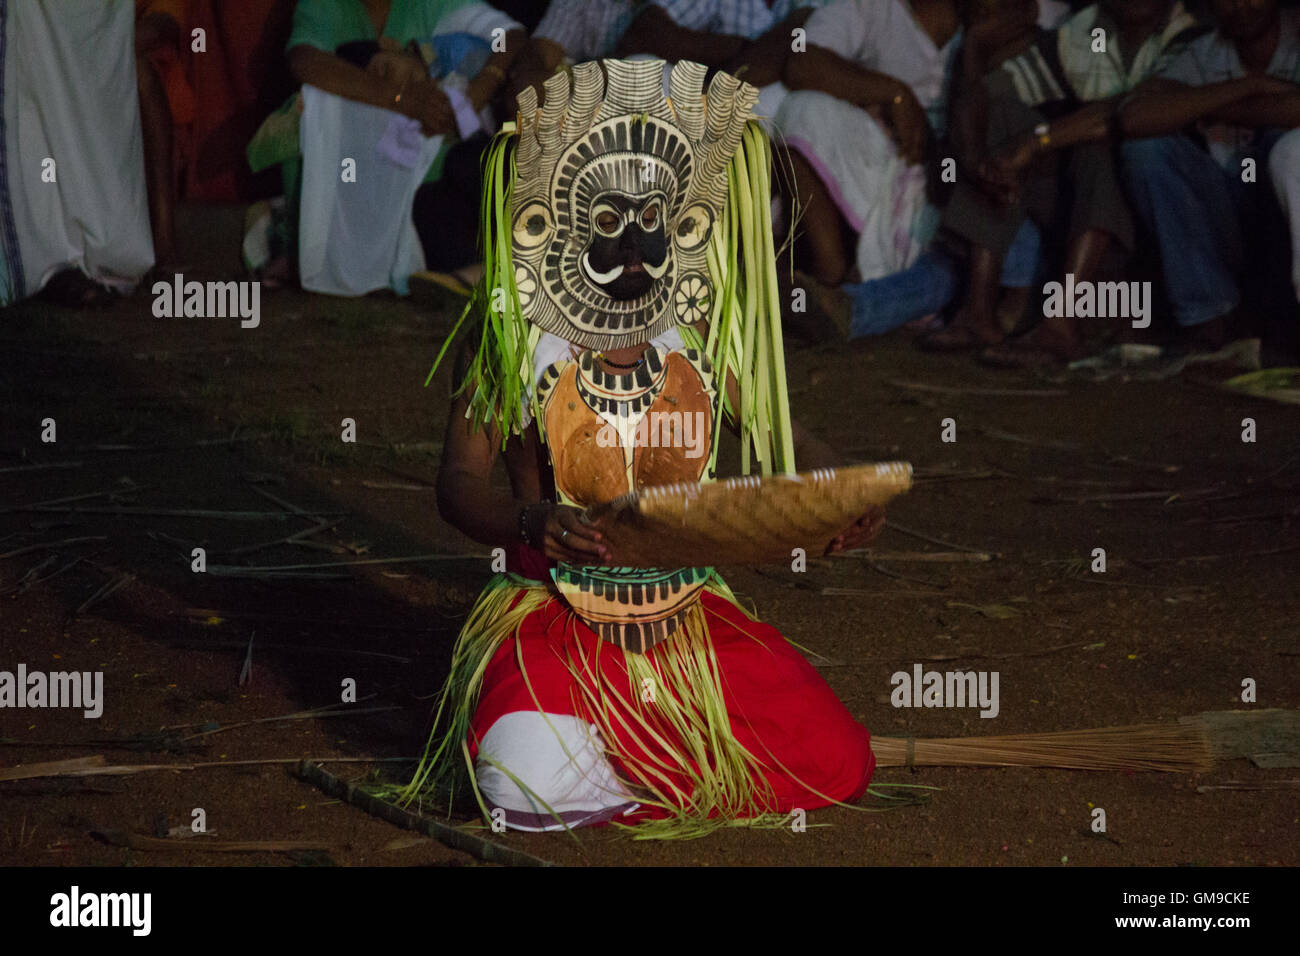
pixel 628 250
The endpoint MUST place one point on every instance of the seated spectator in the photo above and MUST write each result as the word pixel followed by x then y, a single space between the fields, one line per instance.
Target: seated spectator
pixel 74 213
pixel 1037 135
pixel 868 98
pixel 572 30
pixel 1228 105
pixel 366 53
pixel 915 296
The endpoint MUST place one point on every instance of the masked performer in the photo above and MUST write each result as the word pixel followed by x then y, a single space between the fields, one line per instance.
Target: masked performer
pixel 630 273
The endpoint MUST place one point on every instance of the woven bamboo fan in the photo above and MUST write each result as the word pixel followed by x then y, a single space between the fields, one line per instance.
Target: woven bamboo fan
pixel 744 520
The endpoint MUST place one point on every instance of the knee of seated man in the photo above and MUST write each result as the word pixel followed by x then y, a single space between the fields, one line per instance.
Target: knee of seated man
pixel 1284 157
pixel 1138 153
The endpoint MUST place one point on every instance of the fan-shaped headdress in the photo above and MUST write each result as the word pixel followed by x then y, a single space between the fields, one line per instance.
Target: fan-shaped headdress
pixel 633 142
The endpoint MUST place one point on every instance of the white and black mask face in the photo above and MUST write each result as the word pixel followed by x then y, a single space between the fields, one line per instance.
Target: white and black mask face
pixel 611 246
pixel 628 249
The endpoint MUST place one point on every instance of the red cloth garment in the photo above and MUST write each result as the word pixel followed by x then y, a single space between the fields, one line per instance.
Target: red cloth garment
pixel 529 562
pixel 781 709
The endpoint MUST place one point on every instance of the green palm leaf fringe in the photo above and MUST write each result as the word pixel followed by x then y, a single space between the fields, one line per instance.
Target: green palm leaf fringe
pixel 500 373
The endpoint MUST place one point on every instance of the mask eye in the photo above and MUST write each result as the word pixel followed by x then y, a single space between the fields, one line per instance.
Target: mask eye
pixel 650 217
pixel 608 222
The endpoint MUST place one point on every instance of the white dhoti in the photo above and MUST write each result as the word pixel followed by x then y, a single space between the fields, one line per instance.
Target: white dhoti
pixel 355 230
pixel 72 181
pixel 880 196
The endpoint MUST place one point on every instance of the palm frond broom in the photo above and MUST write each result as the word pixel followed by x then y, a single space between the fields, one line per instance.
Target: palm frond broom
pixel 1193 744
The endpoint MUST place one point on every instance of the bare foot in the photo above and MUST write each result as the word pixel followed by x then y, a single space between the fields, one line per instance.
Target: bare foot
pixel 966 333
pixel 1051 342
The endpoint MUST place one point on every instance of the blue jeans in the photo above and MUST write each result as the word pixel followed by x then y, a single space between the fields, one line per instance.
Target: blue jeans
pixel 1212 229
pixel 931 283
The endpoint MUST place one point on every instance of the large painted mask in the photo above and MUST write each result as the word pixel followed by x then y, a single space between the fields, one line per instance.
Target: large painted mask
pixel 617 192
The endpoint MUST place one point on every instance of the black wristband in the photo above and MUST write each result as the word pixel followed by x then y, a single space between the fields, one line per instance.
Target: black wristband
pixel 524 514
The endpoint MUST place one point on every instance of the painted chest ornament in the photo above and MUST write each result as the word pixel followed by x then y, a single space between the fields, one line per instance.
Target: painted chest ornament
pixel 609 434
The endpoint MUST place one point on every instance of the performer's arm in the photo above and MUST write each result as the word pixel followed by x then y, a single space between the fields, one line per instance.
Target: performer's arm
pixel 468 502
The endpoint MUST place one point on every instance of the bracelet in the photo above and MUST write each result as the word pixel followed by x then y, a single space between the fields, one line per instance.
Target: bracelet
pixel 1043 132
pixel 523 521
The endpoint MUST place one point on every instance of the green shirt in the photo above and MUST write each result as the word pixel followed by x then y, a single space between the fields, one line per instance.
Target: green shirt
pixel 326 24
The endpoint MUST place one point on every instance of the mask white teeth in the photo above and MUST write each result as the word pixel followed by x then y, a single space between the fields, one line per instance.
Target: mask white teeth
pixel 657 272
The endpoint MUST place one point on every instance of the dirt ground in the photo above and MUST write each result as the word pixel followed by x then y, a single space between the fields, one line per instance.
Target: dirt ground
pixel 154 414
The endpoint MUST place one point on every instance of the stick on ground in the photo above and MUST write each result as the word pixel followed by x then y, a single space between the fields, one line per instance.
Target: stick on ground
pixel 457 839
pixel 51 545
pixel 922 536
pixel 137 842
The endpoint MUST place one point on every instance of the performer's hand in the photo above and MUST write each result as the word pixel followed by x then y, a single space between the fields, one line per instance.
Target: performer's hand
pixel 566 537
pixel 860 533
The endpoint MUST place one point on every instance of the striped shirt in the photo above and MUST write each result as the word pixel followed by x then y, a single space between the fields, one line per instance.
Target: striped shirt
pixel 741 18
pixel 1072 65
pixel 588 29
